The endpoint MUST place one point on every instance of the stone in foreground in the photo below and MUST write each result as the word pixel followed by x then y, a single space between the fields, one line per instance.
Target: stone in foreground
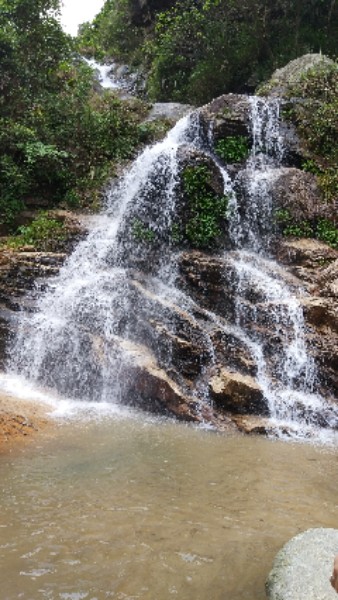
pixel 302 568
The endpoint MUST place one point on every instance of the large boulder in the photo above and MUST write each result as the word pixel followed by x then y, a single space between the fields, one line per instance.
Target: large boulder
pixel 282 79
pixel 228 115
pixel 302 569
pixel 298 194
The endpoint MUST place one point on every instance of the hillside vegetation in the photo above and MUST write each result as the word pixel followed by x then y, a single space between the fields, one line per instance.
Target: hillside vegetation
pixel 195 50
pixel 58 136
pixel 61 135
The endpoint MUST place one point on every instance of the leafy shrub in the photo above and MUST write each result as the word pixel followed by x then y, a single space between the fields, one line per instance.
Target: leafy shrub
pixel 327 232
pixel 142 232
pixel 207 210
pixel 316 120
pixel 232 149
pixel 200 50
pixel 322 229
pixel 44 233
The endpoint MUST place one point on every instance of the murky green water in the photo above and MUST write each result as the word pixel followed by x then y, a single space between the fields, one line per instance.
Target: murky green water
pixel 127 509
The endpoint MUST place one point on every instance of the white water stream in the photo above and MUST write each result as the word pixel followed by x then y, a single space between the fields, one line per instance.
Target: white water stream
pixel 105 74
pixel 285 370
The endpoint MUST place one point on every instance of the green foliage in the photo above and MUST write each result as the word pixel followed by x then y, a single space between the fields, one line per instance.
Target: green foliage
pixel 316 119
pixel 232 149
pixel 176 234
pixel 142 232
pixel 152 131
pixel 58 138
pixel 202 49
pixel 207 210
pixel 44 233
pixel 322 229
pixel 107 34
pixel 301 229
pixel 327 232
pixel 328 181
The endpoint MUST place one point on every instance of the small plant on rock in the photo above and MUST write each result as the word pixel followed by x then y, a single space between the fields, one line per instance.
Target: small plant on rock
pixel 232 149
pixel 207 209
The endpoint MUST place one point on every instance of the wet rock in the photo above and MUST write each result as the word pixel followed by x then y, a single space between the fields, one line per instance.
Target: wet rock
pixel 203 276
pixel 298 193
pixel 306 252
pixel 310 261
pixel 178 340
pixel 303 567
pixel 226 116
pixel 19 272
pixel 322 314
pixel 147 385
pixel 237 393
pixel 328 278
pixel 173 111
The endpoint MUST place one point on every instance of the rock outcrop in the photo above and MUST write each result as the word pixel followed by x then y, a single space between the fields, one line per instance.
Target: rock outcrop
pixel 282 79
pixel 303 567
pixel 186 355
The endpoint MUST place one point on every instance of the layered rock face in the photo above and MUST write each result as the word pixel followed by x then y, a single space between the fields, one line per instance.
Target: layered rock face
pixel 208 341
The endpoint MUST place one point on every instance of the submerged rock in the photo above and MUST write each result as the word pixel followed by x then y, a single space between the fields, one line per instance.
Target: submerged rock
pixel 302 569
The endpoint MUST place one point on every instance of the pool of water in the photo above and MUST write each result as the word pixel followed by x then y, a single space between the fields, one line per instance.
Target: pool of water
pixel 127 508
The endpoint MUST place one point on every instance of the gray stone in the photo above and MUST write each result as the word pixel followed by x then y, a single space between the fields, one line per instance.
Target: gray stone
pixel 293 72
pixel 302 568
pixel 168 110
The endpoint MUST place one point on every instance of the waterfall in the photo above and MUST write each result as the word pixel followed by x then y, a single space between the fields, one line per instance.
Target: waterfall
pixel 73 341
pixel 82 333
pixel 105 74
pixel 265 305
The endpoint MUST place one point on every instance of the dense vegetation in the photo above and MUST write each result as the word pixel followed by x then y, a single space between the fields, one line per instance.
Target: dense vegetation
pixel 314 111
pixel 199 49
pixel 316 119
pixel 57 135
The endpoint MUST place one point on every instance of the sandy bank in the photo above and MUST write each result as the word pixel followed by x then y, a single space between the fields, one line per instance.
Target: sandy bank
pixel 20 421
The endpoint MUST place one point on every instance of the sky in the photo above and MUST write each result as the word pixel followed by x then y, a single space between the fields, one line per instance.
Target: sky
pixel 75 12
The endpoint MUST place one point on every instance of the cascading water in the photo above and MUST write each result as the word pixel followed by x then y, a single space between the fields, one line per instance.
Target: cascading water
pixel 264 302
pixel 112 287
pixel 105 74
pixel 75 338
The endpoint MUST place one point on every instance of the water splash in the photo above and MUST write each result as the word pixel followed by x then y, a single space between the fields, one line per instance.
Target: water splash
pixel 266 308
pixel 105 74
pixel 72 341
